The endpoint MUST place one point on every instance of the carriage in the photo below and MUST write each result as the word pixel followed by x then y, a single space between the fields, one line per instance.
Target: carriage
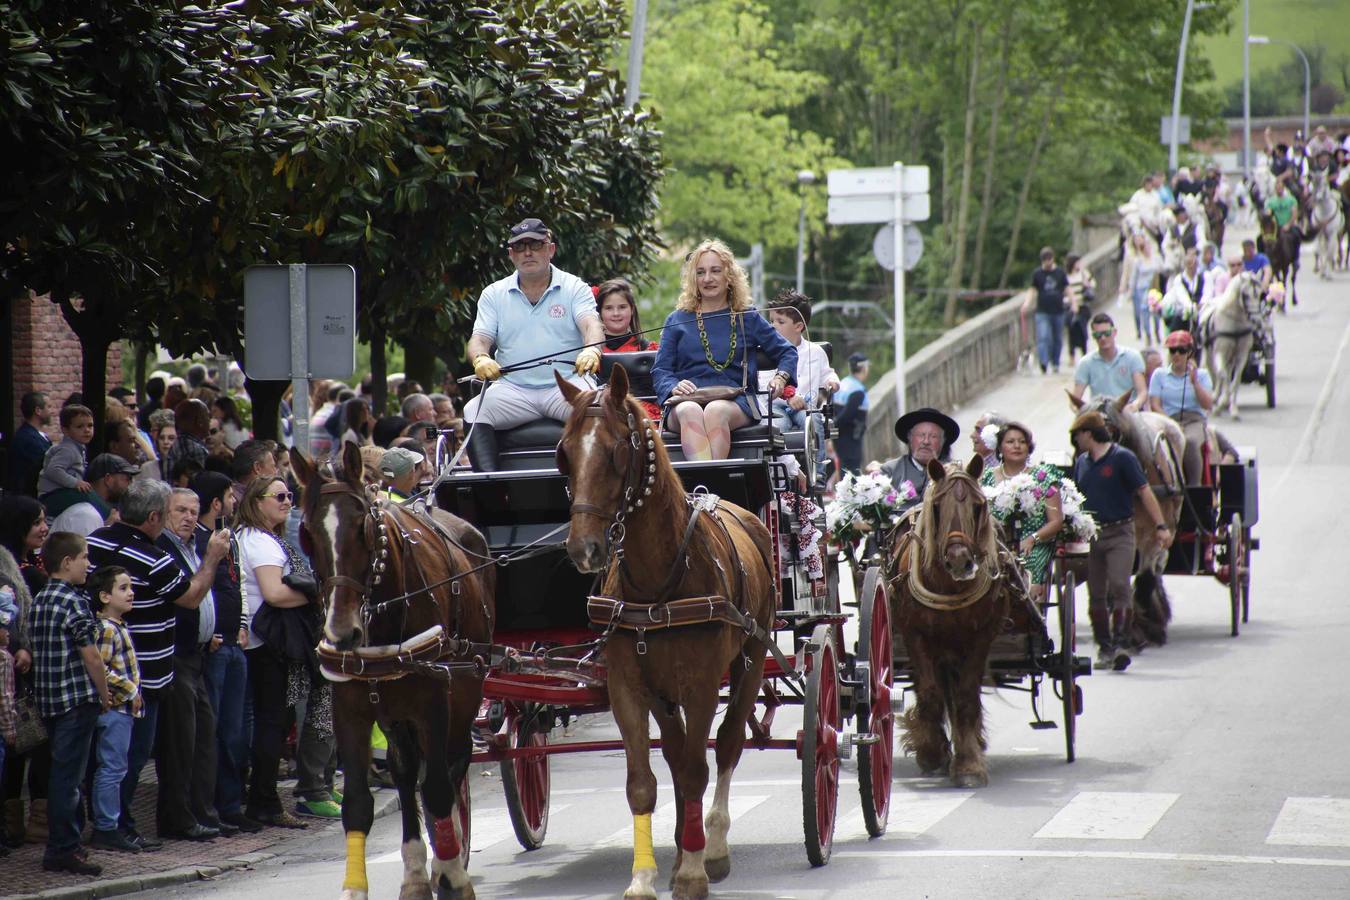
pixel 552 668
pixel 1214 536
pixel 1260 365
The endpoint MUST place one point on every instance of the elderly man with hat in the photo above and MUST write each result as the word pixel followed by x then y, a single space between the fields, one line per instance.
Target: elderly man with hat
pixel 1111 481
pixel 929 435
pixel 110 475
pixel 538 311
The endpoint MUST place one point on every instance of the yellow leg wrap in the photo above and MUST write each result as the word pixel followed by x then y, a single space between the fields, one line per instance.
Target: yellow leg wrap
pixel 356 862
pixel 643 858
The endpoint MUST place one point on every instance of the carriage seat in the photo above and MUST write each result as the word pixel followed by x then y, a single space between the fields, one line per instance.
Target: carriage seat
pixel 531 435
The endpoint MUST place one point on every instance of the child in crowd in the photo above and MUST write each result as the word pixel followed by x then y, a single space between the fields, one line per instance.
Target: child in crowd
pixel 109 587
pixel 62 480
pixel 71 692
pixel 9 717
pixel 790 314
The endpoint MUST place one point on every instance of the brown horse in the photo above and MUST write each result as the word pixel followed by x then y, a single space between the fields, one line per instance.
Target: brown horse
pixel 409 601
pixel 950 600
pixel 1160 445
pixel 667 562
pixel 1281 247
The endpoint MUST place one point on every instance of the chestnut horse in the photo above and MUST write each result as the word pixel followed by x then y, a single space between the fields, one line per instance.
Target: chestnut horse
pixel 667 561
pixel 1160 445
pixel 408 598
pixel 950 598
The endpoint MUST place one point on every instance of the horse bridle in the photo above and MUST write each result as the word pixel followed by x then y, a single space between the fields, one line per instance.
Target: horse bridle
pixel 375 532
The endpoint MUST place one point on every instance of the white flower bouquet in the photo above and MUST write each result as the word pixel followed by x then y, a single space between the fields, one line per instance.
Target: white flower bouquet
pixel 1027 490
pixel 863 503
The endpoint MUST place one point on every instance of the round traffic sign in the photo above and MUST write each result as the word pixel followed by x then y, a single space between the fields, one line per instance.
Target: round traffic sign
pixel 883 246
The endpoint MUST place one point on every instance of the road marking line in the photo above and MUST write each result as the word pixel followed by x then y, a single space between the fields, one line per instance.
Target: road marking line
pixel 1104 815
pixel 1313 822
pixel 485 832
pixel 663 820
pixel 1139 855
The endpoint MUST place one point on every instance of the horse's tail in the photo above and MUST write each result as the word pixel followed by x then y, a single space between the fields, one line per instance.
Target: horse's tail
pixel 1152 608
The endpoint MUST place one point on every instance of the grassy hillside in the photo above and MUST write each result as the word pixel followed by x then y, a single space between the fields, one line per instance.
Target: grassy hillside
pixel 1306 23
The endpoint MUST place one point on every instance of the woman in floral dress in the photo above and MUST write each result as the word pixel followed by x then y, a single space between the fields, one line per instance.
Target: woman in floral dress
pixel 1031 494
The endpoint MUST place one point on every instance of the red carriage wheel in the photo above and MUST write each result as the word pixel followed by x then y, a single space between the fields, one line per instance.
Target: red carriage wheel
pixel 525 780
pixel 876 718
pixel 1069 692
pixel 818 746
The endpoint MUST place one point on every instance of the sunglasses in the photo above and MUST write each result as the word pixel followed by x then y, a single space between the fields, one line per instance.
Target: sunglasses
pixel 521 246
pixel 1098 335
pixel 1183 351
pixel 281 496
pixel 215 431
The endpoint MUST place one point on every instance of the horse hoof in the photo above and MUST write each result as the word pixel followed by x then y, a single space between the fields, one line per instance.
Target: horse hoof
pixel 446 891
pixel 690 888
pixel 971 780
pixel 415 891
pixel 717 869
pixel 643 886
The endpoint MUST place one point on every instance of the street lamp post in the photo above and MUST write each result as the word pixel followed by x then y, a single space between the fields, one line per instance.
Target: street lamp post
pixel 1191 7
pixel 636 45
pixel 1246 92
pixel 1307 74
pixel 804 177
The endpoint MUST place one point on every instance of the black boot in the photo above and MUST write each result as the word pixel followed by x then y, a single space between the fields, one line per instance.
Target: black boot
pixel 482 451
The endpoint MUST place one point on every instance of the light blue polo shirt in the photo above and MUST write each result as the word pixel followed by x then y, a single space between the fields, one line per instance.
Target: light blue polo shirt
pixel 522 330
pixel 1109 379
pixel 1176 391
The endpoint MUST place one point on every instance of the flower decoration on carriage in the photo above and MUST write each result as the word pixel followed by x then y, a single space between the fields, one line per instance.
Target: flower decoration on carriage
pixel 863 503
pixel 1025 492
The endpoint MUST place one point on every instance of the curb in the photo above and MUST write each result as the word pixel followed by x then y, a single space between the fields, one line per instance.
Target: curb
pixel 386 802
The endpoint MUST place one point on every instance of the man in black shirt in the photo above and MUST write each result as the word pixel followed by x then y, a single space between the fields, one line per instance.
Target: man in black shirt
pixel 1049 282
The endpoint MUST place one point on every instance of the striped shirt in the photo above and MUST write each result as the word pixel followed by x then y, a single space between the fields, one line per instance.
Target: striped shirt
pixel 119 656
pixel 60 623
pixel 158 582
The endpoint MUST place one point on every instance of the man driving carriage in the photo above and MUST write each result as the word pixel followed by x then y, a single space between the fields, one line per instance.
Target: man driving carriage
pixel 536 311
pixel 929 435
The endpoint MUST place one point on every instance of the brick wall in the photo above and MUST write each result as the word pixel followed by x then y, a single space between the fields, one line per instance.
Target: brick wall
pixel 47 355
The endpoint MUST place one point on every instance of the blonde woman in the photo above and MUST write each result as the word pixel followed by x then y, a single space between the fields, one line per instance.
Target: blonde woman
pixel 1140 271
pixel 711 340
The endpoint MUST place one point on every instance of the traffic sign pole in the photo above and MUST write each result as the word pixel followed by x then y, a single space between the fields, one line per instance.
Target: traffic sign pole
pixel 299 308
pixel 898 236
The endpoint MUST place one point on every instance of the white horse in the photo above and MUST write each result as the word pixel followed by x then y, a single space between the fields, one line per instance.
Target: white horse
pixel 1228 327
pixel 1326 220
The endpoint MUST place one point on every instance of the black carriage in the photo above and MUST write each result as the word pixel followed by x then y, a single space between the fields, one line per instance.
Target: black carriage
pixel 557 671
pixel 1260 365
pixel 1214 535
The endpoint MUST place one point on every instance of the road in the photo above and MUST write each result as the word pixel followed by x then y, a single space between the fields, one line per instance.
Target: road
pixel 1215 767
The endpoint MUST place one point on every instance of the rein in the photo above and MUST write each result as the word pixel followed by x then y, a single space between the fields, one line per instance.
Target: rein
pixel 972 592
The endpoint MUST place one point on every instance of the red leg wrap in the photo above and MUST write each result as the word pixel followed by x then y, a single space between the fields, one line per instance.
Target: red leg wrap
pixel 444 839
pixel 692 838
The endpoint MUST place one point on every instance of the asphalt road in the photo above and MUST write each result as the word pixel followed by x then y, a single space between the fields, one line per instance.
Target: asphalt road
pixel 1215 767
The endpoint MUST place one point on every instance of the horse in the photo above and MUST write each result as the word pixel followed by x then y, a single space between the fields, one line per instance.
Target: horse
pixel 1227 330
pixel 949 600
pixel 1160 445
pixel 1343 239
pixel 408 602
pixel 1326 220
pixel 1281 247
pixel 1216 219
pixel 687 596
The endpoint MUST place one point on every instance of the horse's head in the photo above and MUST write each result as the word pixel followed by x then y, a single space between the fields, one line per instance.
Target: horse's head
pixel 613 457
pixel 956 526
pixel 340 533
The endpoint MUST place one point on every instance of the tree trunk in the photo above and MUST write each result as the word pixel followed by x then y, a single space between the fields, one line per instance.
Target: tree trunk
pixel 967 172
pixel 96 330
pixel 1041 134
pixel 379 371
pixel 991 155
pixel 142 351
pixel 266 399
pixel 419 362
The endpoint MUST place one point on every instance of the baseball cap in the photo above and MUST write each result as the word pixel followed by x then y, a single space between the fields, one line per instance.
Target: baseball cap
pixel 108 464
pixel 529 229
pixel 857 359
pixel 399 461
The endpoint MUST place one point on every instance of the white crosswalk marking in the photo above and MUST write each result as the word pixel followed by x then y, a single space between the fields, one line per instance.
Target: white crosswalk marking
pixel 1313 822
pixel 663 820
pixel 1105 815
pixel 490 827
pixel 912 814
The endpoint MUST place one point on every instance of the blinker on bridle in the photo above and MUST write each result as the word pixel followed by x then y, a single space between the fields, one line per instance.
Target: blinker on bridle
pixel 637 478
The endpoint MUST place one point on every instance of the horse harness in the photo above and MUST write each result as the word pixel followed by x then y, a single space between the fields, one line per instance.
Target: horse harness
pixel 906 571
pixel 660 612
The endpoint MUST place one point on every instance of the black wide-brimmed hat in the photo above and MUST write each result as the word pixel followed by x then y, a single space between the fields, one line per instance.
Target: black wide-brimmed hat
pixel 906 423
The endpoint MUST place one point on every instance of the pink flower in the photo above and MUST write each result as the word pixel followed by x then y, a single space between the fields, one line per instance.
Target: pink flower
pixel 892 496
pixel 1036 492
pixel 1051 491
pixel 1040 475
pixel 907 489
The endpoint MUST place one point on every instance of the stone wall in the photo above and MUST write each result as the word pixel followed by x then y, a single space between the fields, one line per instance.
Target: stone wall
pixel 966 359
pixel 47 356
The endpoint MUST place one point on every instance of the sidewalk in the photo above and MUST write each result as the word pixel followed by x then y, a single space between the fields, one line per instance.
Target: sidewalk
pixel 177 862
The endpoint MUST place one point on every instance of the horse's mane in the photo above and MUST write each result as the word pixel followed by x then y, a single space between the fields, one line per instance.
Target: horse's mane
pixel 926 527
pixel 666 483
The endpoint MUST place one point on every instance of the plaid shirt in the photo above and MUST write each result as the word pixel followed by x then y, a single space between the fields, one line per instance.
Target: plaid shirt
pixel 60 623
pixel 9 716
pixel 124 676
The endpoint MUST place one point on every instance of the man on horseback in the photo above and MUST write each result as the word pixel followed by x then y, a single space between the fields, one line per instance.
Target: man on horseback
pixel 929 435
pixel 1111 481
pixel 1282 207
pixel 1257 263
pixel 536 311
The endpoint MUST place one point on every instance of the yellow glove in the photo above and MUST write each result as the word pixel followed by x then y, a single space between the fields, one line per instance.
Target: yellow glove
pixel 588 361
pixel 486 368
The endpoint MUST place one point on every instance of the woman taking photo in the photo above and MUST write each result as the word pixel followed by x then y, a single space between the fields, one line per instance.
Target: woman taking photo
pixel 1036 527
pixel 623 328
pixel 265 560
pixel 705 373
pixel 23 528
